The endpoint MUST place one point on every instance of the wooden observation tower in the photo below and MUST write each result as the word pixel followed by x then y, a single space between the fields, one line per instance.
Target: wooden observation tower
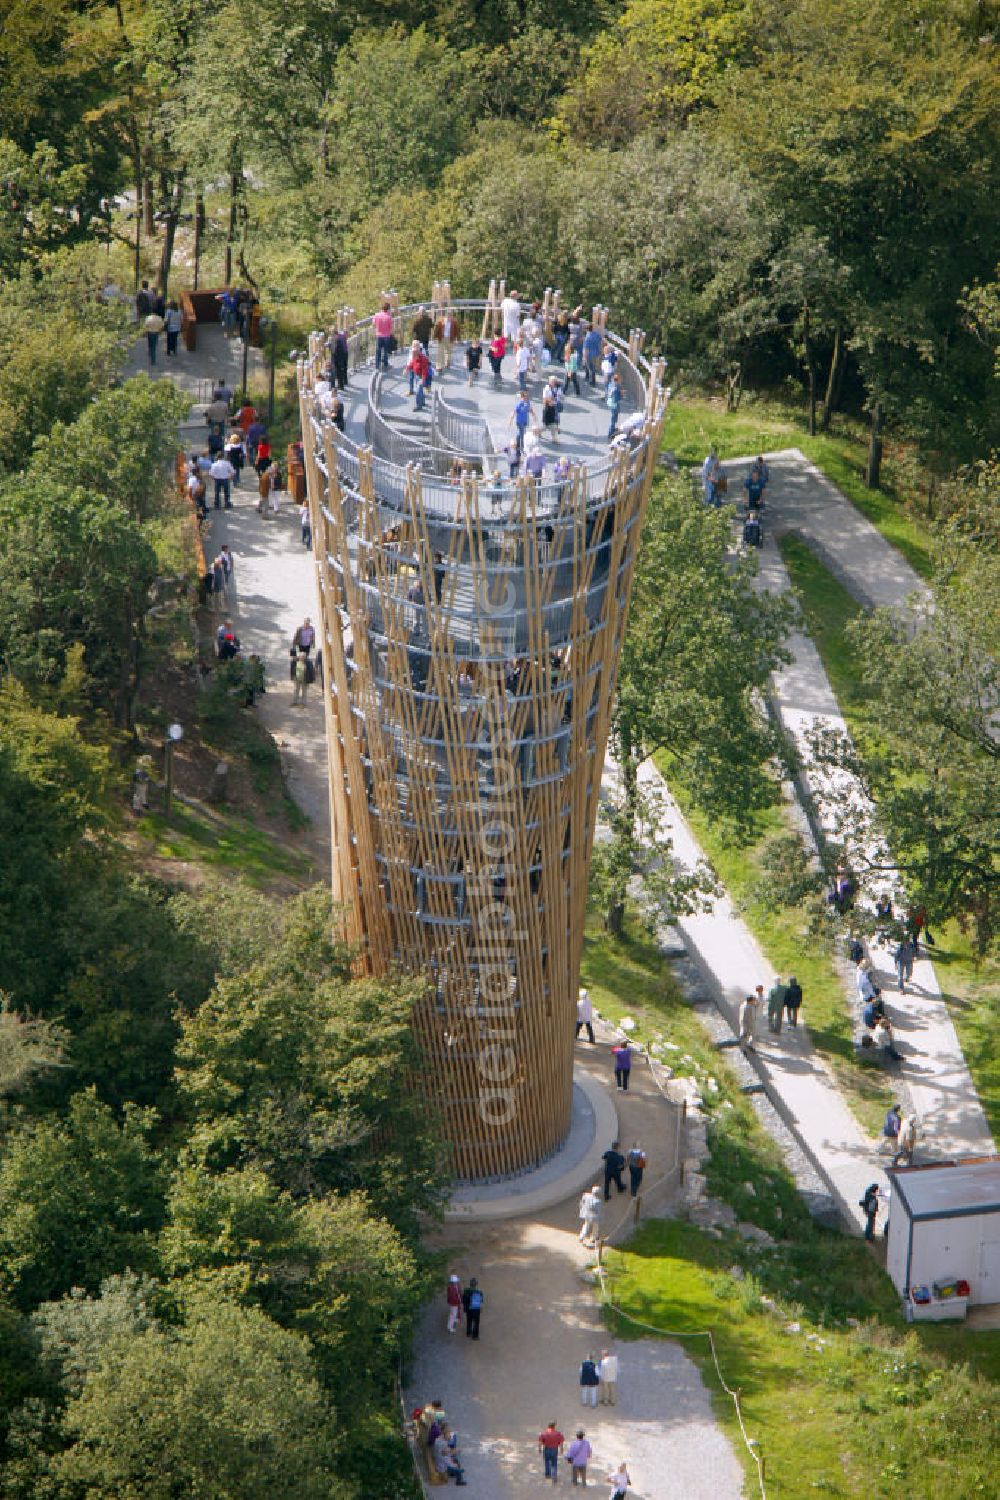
pixel 471 629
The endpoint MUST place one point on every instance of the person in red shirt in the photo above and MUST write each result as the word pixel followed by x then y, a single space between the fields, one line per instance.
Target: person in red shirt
pixel 247 414
pixel 382 324
pixel 550 1442
pixel 263 455
pixel 496 352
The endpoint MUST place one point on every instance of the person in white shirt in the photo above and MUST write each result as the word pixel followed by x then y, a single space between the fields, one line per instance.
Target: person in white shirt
pixel 510 312
pixel 522 359
pixel 590 1216
pixel 223 473
pixel 585 1015
pixel 619 1482
pixel 608 1372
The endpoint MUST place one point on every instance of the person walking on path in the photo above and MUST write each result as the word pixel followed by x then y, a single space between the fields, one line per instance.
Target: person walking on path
pixel 218 581
pixel 303 673
pixel 152 327
pixel 903 959
pixel 223 473
pixel 585 1015
pixel 619 1482
pixel 305 524
pixel 578 1455
pixel 173 322
pixel 890 1125
pixel 906 1141
pixel 793 999
pixel 519 420
pixel 453 1297
pixel 472 1305
pixel 622 1054
pixel 775 1006
pixel 550 1443
pixel 495 354
pixel 229 568
pixel 589 1381
pixel 340 355
pixel 592 343
pixel 869 1206
pixel 382 324
pixel 474 359
pixel 590 1216
pixel 143 302
pixel 608 1371
pixel 748 1021
pixel 305 637
pixel 614 1165
pixel 636 1167
pixel 613 400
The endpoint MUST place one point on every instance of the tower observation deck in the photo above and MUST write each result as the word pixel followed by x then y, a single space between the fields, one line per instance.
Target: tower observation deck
pixel 472 621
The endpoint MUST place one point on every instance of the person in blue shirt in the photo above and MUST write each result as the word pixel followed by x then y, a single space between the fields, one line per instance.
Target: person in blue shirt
pixel 755 483
pixel 592 354
pixel 520 417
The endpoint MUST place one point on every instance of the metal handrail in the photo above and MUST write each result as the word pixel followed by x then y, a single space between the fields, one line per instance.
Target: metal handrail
pixel 393 452
pixel 468 436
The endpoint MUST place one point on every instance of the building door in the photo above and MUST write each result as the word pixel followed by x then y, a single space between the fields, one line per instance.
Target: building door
pixel 989 1272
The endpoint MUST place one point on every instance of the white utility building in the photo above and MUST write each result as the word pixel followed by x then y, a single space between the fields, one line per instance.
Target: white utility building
pixel 943 1239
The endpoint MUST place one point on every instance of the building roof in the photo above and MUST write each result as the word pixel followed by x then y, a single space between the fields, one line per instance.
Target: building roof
pixel 950 1189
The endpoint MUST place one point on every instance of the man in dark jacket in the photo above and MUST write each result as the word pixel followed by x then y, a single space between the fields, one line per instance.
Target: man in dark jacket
pixel 472 1303
pixel 614 1166
pixel 793 999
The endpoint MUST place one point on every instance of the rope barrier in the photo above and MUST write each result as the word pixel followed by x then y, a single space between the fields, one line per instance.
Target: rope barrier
pixel 751 1443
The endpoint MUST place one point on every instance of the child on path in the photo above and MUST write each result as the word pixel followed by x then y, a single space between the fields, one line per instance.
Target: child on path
pixel 619 1482
pixel 453 1297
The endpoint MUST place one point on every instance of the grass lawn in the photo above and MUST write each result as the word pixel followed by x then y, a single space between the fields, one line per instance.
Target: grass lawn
pixel 693 424
pixel 972 989
pixel 223 843
pixel 873 1410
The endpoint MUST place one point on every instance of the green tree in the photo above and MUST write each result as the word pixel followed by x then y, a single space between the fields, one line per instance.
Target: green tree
pixel 53 788
pixel 685 240
pixel 931 768
pixel 79 1199
pixel 879 132
pixel 296 1069
pixel 227 1405
pixel 701 643
pixel 660 62
pixel 74 571
pixel 59 346
pixel 121 447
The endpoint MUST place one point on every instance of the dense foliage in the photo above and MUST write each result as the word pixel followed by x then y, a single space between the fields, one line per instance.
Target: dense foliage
pixel 212 1168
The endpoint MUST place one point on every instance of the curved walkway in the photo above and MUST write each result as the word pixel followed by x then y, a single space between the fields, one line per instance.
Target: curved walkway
pixel 801 500
pixel 541 1318
pixel 729 957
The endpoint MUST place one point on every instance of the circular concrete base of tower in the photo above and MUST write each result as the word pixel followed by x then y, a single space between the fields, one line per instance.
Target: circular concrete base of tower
pixel 575 1166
